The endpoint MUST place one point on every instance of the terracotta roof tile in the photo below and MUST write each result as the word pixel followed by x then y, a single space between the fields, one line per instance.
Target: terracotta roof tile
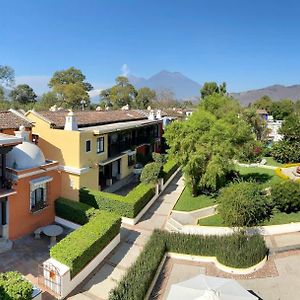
pixel 9 120
pixel 92 118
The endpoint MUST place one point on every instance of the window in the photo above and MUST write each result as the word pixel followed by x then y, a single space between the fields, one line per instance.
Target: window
pixel 35 138
pixel 37 200
pixel 88 146
pixel 100 144
pixel 131 160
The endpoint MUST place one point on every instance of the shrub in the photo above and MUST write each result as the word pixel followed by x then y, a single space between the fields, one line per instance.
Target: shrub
pixel 159 158
pixel 168 169
pixel 73 211
pixel 14 286
pixel 286 151
pixel 238 251
pixel 286 196
pixel 78 248
pixel 126 206
pixel 151 172
pixel 243 204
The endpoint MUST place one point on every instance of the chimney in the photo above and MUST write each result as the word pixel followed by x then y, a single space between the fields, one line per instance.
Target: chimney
pixel 70 123
pixel 22 133
pixel 151 115
pixel 158 114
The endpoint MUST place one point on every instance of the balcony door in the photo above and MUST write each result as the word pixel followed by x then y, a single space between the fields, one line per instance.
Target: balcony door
pixel 3 217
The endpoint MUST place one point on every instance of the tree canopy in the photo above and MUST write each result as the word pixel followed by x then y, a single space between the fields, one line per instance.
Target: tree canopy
pixel 121 94
pixel 287 150
pixel 144 98
pixel 210 88
pixel 7 75
pixel 205 145
pixel 23 94
pixel 70 86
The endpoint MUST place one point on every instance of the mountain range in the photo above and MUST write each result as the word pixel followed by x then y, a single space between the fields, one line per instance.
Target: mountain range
pixel 186 88
pixel 181 86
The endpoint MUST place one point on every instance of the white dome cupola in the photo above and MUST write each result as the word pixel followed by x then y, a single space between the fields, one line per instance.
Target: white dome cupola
pixel 25 156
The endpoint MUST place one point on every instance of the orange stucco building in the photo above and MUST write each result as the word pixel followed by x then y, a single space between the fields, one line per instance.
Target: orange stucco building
pixel 29 184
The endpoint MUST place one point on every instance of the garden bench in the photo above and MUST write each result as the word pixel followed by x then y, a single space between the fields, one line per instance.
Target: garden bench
pixel 37 233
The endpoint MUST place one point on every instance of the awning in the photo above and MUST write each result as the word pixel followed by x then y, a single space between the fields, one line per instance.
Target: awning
pixel 110 160
pixel 39 181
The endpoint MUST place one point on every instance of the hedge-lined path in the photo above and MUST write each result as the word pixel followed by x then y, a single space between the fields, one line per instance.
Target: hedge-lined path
pixel 133 239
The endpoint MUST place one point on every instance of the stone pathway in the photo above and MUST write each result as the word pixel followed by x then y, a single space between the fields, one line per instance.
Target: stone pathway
pixel 133 239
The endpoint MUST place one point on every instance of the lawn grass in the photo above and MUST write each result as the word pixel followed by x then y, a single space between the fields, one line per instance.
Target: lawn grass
pixel 259 174
pixel 187 202
pixel 276 219
pixel 272 162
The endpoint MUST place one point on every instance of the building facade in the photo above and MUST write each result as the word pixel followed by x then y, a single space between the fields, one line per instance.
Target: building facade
pixel 29 184
pixel 95 149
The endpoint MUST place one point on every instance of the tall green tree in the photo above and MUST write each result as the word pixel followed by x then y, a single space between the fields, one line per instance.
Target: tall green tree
pixel 121 94
pixel 210 88
pixel 23 94
pixel 7 75
pixel 259 125
pixel 206 144
pixel 144 98
pixel 71 87
pixel 265 102
pixel 287 150
pixel 281 109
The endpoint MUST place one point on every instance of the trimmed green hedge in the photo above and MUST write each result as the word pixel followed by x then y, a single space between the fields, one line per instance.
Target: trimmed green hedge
pixel 168 169
pixel 126 206
pixel 14 286
pixel 74 211
pixel 78 248
pixel 237 251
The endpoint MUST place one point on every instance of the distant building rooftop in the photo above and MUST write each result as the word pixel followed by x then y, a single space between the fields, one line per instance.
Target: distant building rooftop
pixel 10 120
pixel 261 112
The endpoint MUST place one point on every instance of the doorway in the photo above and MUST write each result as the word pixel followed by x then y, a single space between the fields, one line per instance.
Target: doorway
pixel 3 217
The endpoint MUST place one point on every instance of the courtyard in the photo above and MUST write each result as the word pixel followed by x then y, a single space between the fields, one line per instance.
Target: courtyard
pixel 26 257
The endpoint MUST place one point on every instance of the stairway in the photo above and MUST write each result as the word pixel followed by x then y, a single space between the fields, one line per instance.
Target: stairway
pixel 5 245
pixel 173 226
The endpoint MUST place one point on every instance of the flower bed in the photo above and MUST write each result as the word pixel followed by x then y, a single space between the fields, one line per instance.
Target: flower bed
pixel 236 251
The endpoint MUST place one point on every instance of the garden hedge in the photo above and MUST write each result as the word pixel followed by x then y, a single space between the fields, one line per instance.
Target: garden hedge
pixel 168 169
pixel 14 286
pixel 74 211
pixel 238 251
pixel 78 248
pixel 127 206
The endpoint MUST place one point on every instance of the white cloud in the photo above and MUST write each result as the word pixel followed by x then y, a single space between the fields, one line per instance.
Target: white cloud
pixel 39 83
pixel 125 70
pixel 95 92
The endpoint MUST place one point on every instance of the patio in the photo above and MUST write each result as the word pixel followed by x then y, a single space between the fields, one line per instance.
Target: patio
pixel 278 279
pixel 27 254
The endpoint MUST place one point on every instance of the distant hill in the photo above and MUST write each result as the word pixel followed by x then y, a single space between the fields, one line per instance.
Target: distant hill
pixel 275 92
pixel 182 86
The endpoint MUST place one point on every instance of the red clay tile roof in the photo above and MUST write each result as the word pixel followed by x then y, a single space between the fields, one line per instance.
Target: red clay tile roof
pixel 92 118
pixel 9 120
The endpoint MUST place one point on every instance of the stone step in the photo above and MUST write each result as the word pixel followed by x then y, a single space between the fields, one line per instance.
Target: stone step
pixel 174 223
pixel 5 245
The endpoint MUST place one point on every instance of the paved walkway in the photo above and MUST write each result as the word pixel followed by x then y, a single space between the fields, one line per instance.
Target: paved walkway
pixel 133 238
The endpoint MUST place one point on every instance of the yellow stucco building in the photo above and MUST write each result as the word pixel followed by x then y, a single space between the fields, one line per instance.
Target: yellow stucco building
pixel 95 149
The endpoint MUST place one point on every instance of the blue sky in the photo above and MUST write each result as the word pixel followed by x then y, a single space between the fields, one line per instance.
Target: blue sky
pixel 248 44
